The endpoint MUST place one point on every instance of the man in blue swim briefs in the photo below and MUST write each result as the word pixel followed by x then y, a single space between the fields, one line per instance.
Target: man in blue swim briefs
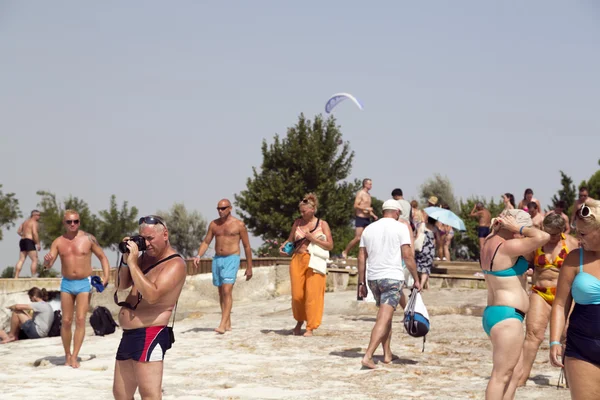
pixel 29 244
pixel 228 232
pixel 484 217
pixel 363 212
pixel 75 250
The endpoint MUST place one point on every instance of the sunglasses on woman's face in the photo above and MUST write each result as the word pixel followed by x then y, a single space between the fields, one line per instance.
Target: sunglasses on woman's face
pixel 151 220
pixel 72 222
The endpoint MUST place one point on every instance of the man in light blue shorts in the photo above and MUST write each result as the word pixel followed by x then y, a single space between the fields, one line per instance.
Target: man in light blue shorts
pixel 75 250
pixel 228 232
pixel 224 269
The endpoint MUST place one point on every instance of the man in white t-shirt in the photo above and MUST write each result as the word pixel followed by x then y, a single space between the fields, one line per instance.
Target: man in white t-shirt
pixel 405 207
pixel 383 246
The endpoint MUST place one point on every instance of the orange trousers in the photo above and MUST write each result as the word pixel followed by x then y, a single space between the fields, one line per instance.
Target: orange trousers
pixel 308 292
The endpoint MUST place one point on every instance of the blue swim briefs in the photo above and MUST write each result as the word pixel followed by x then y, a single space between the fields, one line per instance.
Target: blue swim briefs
pixel 225 268
pixel 75 286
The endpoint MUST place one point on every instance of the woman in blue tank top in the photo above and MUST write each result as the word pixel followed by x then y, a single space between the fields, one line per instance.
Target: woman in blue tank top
pixel 503 264
pixel 579 280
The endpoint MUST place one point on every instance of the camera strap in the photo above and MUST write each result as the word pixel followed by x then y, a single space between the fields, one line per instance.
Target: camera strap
pixel 145 272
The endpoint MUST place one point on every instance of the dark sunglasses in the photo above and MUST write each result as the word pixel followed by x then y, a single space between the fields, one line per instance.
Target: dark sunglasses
pixel 151 220
pixel 585 212
pixel 126 304
pixel 222 208
pixel 72 221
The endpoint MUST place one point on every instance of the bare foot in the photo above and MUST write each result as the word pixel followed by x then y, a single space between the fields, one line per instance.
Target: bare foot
pixel 368 363
pixel 9 339
pixel 220 330
pixel 308 333
pixel 297 331
pixel 388 360
pixel 68 360
pixel 344 255
pixel 74 362
pixel 228 329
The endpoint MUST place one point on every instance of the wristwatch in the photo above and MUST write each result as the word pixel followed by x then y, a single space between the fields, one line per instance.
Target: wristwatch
pixel 361 284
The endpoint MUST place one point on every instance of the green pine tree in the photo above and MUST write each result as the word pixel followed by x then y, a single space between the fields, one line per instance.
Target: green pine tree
pixel 567 193
pixel 310 158
pixel 9 211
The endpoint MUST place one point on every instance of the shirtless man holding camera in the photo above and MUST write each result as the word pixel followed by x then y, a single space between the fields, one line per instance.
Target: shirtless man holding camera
pixel 156 279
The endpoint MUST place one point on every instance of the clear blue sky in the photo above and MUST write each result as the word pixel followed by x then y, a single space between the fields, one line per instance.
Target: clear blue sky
pixel 161 102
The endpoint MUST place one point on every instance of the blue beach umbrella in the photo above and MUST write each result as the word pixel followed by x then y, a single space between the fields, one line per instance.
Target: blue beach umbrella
pixel 446 217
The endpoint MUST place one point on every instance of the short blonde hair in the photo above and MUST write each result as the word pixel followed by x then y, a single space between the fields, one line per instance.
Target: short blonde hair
pixel 594 206
pixel 69 211
pixel 310 199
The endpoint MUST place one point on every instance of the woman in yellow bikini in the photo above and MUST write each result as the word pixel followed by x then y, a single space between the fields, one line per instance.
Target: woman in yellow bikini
pixel 547 261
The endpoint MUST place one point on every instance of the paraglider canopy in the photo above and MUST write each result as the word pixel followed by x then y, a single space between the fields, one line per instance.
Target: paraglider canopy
pixel 338 98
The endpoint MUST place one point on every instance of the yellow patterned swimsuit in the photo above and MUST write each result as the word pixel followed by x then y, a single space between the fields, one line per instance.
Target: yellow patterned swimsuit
pixel 540 260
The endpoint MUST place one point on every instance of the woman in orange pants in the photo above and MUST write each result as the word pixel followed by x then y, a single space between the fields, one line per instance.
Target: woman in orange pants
pixel 308 285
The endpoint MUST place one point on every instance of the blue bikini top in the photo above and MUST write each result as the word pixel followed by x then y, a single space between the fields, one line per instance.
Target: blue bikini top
pixel 519 268
pixel 586 287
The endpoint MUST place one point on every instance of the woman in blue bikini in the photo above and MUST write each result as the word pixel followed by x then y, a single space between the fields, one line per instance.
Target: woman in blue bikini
pixel 579 280
pixel 503 264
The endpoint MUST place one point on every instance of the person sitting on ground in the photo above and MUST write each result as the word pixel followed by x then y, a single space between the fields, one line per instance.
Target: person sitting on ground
pixel 34 327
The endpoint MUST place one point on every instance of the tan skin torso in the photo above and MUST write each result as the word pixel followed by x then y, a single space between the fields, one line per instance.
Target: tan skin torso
pixel 364 201
pixel 309 226
pixel 227 236
pixel 27 229
pixel 146 314
pixel 504 291
pixel 538 220
pixel 548 277
pixel 75 256
pixel 485 218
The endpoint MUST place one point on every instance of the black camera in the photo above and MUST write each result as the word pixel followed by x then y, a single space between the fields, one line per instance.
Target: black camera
pixel 137 239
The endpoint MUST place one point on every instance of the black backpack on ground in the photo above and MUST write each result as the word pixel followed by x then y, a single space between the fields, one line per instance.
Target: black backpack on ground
pixel 102 321
pixel 56 324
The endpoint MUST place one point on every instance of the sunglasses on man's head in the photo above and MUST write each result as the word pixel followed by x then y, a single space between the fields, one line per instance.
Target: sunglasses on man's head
pixel 151 220
pixel 585 212
pixel 222 208
pixel 72 221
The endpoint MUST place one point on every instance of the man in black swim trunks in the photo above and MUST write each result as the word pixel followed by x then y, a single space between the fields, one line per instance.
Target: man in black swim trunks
pixel 155 280
pixel 485 218
pixel 364 213
pixel 29 243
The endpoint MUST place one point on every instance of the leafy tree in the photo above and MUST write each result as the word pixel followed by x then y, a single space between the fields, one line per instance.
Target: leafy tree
pixel 469 238
pixel 116 223
pixel 310 158
pixel 186 229
pixel 8 273
pixel 440 187
pixel 52 212
pixel 593 184
pixel 9 211
pixel 567 193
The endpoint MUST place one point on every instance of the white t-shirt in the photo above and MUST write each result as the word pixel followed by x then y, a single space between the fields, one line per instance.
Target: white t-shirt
pixel 383 240
pixel 406 209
